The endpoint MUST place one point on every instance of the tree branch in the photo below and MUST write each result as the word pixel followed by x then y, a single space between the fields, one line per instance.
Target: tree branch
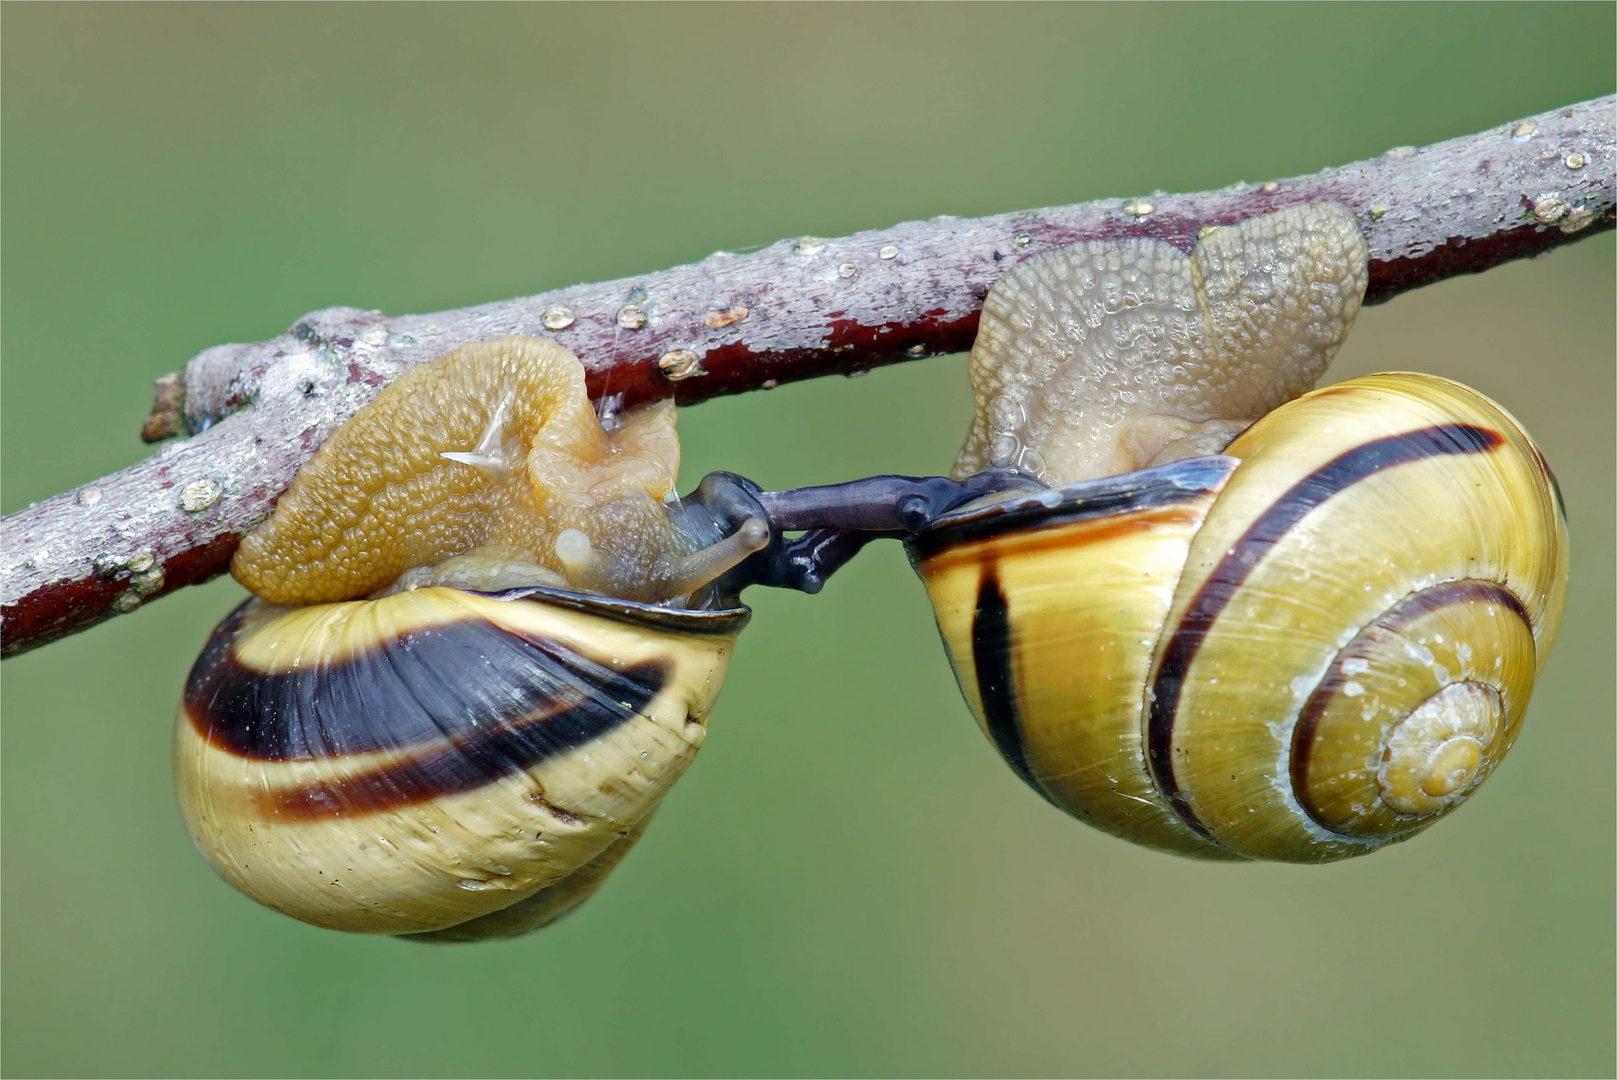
pixel 731 323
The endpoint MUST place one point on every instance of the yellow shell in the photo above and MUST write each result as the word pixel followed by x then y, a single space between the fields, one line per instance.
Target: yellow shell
pixel 431 758
pixel 550 904
pixel 1310 647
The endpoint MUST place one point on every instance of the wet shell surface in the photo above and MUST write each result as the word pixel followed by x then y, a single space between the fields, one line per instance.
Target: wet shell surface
pixel 1314 645
pixel 429 759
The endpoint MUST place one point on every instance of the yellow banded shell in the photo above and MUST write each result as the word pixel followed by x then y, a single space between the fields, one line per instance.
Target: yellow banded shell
pixel 506 653
pixel 1302 650
pixel 438 759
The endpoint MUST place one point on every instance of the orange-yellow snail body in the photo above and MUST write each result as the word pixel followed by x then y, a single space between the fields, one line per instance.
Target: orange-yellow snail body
pixel 481 650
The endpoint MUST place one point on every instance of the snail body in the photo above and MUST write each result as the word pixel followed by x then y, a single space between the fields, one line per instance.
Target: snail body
pixel 1312 645
pixel 486 466
pixel 1109 356
pixel 481 650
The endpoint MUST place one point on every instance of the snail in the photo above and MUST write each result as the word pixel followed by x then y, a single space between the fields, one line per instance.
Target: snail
pixel 1303 649
pixel 1315 642
pixel 484 641
pixel 481 647
pixel 1298 645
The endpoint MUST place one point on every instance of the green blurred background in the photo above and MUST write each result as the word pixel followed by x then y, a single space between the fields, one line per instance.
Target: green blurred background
pixel 849 881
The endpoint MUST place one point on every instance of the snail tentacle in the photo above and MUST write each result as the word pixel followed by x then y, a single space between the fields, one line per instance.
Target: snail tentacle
pixel 691 572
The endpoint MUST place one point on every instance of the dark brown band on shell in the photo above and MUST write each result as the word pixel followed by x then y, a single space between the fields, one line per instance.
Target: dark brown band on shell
pixel 418 688
pixel 1391 621
pixel 992 632
pixel 463 703
pixel 504 748
pixel 1305 496
pixel 993 661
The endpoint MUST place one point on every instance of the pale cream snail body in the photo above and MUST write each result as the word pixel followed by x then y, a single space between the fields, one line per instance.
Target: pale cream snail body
pixel 1317 642
pixel 481 650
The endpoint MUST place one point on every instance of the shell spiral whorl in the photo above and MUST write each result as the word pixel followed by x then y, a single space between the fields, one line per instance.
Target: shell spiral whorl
pixel 1302 654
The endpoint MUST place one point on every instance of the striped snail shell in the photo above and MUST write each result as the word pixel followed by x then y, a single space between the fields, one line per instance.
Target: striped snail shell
pixel 431 758
pixel 481 650
pixel 1313 645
